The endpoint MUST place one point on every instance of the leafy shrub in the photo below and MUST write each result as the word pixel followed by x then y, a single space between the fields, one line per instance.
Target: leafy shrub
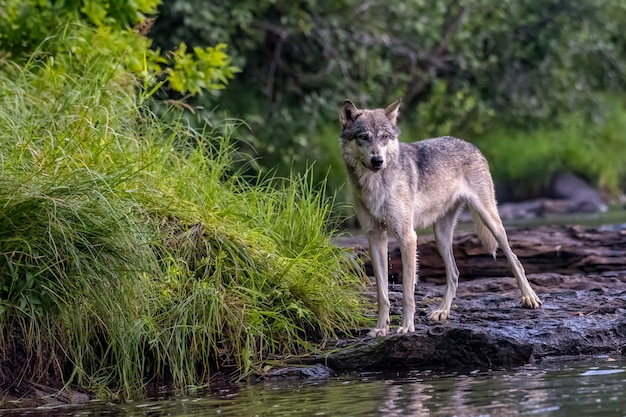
pixel 110 29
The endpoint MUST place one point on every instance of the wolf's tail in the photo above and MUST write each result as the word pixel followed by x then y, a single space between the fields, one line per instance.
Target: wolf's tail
pixel 486 237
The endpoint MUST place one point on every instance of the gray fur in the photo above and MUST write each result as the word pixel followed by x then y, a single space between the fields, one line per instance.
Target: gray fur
pixel 399 187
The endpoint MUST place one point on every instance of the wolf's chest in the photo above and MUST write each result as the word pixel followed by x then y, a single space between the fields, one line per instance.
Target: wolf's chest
pixel 379 197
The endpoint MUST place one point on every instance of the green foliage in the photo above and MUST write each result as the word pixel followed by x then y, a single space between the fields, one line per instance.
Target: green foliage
pixel 120 29
pixel 207 69
pixel 463 112
pixel 460 66
pixel 24 24
pixel 132 252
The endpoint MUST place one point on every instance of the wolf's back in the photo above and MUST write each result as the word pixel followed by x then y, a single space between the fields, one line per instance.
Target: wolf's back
pixel 440 161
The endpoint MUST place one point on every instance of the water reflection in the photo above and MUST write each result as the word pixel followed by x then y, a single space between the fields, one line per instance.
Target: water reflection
pixel 595 387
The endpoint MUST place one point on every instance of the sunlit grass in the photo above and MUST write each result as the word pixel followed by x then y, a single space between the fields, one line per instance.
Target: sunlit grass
pixel 133 252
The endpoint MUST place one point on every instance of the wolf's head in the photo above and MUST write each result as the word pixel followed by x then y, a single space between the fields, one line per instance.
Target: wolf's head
pixel 369 138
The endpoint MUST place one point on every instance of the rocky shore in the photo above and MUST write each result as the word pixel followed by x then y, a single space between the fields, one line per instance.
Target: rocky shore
pixel 581 315
pixel 579 273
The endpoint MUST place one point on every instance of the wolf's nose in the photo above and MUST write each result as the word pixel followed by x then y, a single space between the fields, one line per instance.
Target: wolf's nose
pixel 377 162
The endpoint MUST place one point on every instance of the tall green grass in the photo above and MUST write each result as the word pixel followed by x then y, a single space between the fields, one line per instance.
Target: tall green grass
pixel 132 251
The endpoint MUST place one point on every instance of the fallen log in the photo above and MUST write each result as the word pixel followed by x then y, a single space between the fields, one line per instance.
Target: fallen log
pixel 558 249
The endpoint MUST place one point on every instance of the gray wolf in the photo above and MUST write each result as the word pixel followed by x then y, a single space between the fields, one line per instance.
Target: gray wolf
pixel 399 187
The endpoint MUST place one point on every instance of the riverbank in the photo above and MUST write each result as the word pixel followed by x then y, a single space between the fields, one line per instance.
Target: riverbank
pixel 583 313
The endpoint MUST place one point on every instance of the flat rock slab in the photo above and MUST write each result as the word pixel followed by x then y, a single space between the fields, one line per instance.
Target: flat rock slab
pixel 581 315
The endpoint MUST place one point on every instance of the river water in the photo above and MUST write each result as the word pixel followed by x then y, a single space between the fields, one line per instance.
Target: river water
pixel 590 387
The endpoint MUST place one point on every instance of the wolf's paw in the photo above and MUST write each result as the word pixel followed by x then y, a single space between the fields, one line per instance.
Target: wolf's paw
pixel 407 326
pixel 439 314
pixel 405 330
pixel 378 332
pixel 531 301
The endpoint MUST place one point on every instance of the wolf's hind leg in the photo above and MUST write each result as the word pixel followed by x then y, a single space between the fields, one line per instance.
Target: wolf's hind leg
pixel 444 230
pixel 488 213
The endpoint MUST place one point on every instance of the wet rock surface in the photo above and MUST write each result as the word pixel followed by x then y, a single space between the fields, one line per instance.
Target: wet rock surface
pixel 583 312
pixel 581 315
pixel 32 394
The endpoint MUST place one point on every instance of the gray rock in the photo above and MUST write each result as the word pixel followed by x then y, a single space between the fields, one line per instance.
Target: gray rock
pixel 581 315
pixel 567 186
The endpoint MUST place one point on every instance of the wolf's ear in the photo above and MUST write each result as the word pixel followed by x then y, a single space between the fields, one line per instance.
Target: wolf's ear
pixel 348 114
pixel 392 111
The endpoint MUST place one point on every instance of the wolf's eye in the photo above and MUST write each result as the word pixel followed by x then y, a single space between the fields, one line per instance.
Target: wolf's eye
pixel 364 137
pixel 384 136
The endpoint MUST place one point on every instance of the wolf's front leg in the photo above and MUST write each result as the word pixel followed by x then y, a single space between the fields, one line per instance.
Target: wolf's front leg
pixel 408 248
pixel 378 251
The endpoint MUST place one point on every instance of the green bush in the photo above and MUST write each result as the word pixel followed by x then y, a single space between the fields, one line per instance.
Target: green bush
pixel 113 30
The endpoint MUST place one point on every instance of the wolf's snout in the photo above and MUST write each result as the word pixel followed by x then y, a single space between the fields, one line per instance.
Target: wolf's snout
pixel 377 162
